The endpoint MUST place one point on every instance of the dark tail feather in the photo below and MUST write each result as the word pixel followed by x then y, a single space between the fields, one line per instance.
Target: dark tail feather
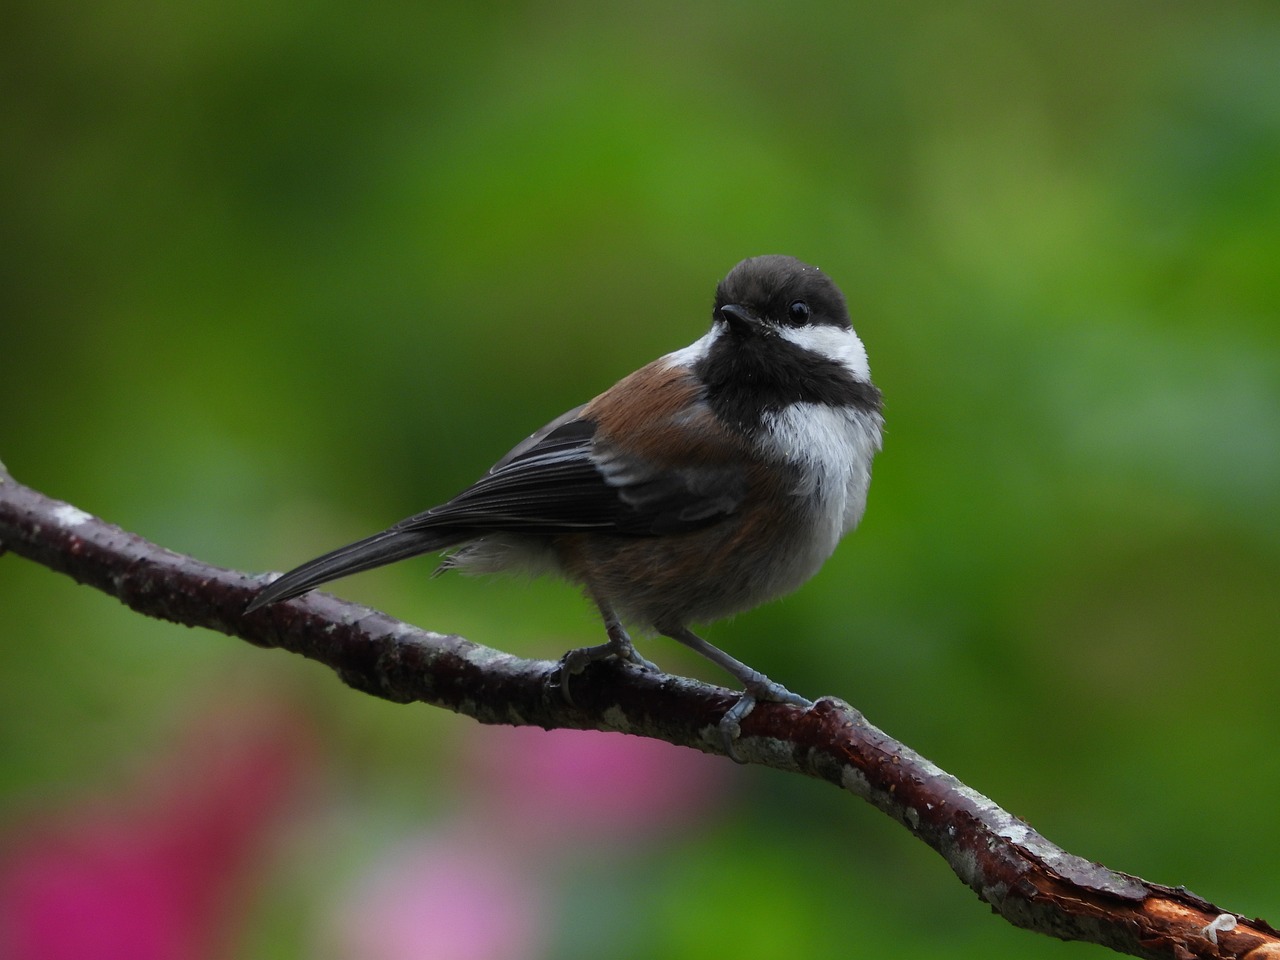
pixel 381 548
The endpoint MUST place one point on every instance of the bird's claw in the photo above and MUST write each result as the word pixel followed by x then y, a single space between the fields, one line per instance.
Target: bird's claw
pixel 763 688
pixel 577 660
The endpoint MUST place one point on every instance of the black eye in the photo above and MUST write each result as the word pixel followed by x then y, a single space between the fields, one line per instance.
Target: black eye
pixel 799 311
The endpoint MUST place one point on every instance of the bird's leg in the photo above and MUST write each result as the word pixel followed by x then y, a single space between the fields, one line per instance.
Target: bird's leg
pixel 755 684
pixel 619 645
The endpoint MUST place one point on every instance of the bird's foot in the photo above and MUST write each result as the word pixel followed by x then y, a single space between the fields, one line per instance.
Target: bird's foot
pixel 758 687
pixel 575 661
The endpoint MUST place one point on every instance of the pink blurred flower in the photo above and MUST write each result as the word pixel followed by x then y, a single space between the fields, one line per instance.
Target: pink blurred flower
pixel 546 784
pixel 150 875
pixel 444 898
pixel 484 889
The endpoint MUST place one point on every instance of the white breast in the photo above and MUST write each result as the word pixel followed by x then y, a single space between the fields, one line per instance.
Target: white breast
pixel 833 447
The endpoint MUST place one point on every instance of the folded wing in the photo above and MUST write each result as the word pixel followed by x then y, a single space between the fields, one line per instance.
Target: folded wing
pixel 563 479
pixel 567 479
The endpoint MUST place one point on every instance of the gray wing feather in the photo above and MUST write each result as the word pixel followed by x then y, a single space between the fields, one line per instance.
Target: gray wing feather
pixel 565 479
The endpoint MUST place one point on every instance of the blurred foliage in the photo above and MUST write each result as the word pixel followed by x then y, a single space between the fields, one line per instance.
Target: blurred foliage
pixel 275 275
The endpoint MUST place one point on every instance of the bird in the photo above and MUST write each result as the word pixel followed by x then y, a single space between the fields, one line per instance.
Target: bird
pixel 707 482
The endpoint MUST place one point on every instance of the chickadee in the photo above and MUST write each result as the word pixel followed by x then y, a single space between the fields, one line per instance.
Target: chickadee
pixel 707 482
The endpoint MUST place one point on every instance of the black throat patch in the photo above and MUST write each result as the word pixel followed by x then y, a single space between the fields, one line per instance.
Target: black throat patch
pixel 748 376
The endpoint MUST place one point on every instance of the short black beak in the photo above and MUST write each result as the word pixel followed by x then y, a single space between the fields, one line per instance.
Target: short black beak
pixel 738 318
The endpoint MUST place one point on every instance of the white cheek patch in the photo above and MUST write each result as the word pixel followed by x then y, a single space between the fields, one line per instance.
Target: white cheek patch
pixel 834 343
pixel 696 351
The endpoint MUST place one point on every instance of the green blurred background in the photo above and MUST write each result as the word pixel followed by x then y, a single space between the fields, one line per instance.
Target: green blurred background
pixel 277 274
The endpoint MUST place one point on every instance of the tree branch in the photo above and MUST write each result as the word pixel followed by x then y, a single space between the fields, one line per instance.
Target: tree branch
pixel 1026 879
